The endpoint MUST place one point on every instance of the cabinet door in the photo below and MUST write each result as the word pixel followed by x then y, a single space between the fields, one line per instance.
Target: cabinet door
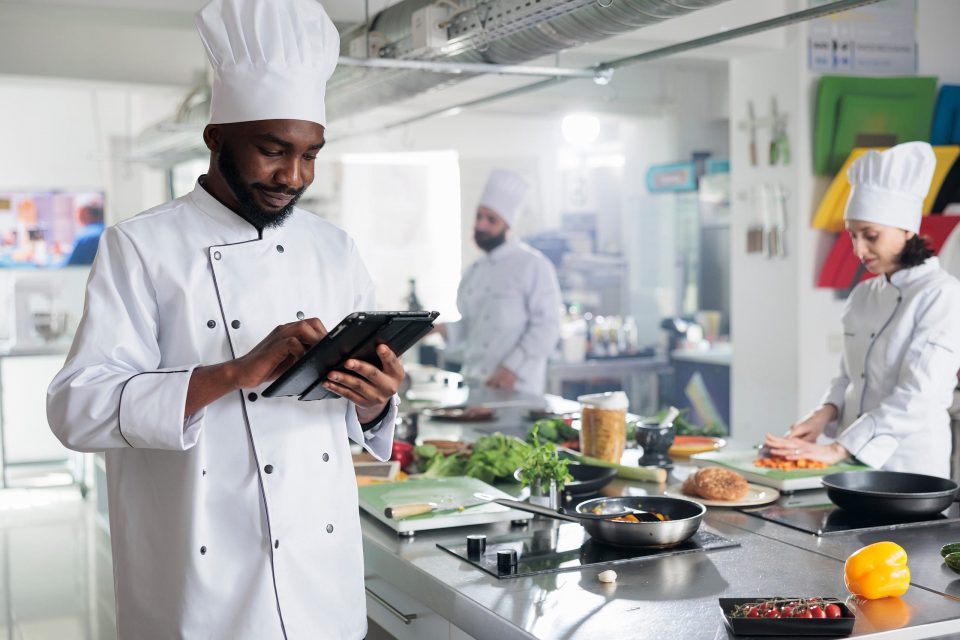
pixel 402 616
pixel 23 393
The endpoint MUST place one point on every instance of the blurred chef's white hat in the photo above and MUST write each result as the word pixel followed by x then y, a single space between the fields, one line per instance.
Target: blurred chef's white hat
pixel 271 59
pixel 504 193
pixel 888 187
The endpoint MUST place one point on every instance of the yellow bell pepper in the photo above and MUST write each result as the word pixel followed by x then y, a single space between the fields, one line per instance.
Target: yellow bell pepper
pixel 877 571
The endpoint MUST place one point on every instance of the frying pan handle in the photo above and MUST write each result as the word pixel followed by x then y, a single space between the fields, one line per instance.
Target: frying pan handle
pixel 535 508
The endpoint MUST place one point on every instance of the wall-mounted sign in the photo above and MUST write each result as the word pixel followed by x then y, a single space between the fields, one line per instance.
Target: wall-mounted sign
pixel 676 176
pixel 876 39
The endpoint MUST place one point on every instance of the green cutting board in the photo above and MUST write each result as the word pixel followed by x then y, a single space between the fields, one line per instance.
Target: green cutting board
pixel 442 491
pixel 742 462
pixel 848 106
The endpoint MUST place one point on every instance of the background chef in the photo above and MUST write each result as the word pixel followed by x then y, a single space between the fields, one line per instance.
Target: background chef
pixel 901 345
pixel 509 299
pixel 232 515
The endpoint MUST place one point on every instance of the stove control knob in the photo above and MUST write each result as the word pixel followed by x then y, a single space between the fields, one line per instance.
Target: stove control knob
pixel 506 560
pixel 476 545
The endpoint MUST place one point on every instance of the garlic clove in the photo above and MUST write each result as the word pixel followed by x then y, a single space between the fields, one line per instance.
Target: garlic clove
pixel 607 576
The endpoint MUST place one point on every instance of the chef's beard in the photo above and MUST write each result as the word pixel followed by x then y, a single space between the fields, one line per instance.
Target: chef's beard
pixel 251 212
pixel 488 242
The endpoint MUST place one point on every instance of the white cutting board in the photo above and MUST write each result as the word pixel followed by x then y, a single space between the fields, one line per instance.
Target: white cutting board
pixel 445 491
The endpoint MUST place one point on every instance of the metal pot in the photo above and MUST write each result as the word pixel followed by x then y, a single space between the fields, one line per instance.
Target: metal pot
pixel 890 493
pixel 685 517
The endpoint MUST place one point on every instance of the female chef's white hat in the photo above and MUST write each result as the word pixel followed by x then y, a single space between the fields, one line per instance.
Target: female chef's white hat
pixel 271 59
pixel 504 193
pixel 888 187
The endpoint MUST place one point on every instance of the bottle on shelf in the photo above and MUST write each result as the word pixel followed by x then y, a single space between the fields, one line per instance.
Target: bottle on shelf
pixel 413 303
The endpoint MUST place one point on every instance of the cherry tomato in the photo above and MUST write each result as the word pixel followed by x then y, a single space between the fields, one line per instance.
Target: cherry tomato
pixel 753 612
pixel 802 613
pixel 786 611
pixel 833 611
pixel 773 613
pixel 817 612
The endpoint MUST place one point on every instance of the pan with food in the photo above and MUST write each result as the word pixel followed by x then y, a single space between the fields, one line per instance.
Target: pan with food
pixel 676 519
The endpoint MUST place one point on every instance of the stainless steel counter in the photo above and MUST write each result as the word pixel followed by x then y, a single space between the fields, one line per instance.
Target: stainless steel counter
pixel 671 597
pixel 922 545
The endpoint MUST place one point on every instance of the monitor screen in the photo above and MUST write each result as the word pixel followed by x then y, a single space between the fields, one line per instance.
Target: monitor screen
pixel 49 229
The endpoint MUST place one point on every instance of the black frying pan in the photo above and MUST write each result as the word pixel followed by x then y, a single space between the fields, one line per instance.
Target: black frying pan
pixel 588 479
pixel 886 494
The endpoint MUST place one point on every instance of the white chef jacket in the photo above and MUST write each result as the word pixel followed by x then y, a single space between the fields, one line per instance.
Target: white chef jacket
pixel 950 253
pixel 510 303
pixel 901 352
pixel 239 521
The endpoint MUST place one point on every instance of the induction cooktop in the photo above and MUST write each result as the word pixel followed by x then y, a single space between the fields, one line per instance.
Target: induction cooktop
pixel 817 515
pixel 567 547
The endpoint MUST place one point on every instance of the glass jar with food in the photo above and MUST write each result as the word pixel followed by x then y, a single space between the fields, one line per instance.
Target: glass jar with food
pixel 603 425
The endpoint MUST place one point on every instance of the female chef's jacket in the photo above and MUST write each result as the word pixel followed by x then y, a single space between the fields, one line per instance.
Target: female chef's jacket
pixel 901 353
pixel 241 520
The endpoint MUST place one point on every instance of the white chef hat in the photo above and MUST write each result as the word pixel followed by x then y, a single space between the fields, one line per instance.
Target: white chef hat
pixel 271 59
pixel 504 194
pixel 888 187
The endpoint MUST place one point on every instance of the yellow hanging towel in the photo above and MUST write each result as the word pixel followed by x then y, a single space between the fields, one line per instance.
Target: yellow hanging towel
pixel 829 215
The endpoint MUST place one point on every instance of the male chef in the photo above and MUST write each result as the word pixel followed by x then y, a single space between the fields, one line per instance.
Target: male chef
pixel 232 515
pixel 509 299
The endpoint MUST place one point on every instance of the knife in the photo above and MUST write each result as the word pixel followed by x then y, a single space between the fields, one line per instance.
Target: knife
pixel 400 511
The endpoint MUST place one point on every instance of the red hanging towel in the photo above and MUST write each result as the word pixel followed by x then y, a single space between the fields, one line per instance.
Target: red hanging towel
pixel 842 270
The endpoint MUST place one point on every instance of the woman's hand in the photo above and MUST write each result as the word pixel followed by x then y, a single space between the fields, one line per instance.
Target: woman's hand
pixel 811 427
pixel 794 448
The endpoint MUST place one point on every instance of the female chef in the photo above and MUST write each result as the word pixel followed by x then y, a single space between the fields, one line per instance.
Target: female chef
pixel 887 408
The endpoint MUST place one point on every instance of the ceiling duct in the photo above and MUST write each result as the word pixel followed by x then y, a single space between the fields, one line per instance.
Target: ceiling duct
pixel 478 31
pixel 177 138
pixel 495 32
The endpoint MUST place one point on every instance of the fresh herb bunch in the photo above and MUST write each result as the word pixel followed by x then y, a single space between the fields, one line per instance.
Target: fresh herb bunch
pixel 541 463
pixel 553 430
pixel 434 464
pixel 687 428
pixel 495 457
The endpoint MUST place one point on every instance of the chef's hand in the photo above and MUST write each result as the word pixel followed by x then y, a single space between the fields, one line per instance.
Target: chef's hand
pixel 502 378
pixel 266 361
pixel 811 426
pixel 367 386
pixel 277 352
pixel 795 448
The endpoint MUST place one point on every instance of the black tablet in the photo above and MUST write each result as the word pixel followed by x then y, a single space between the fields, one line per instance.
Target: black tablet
pixel 357 336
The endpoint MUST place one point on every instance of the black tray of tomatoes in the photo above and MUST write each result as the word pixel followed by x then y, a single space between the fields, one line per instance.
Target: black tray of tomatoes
pixel 781 616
